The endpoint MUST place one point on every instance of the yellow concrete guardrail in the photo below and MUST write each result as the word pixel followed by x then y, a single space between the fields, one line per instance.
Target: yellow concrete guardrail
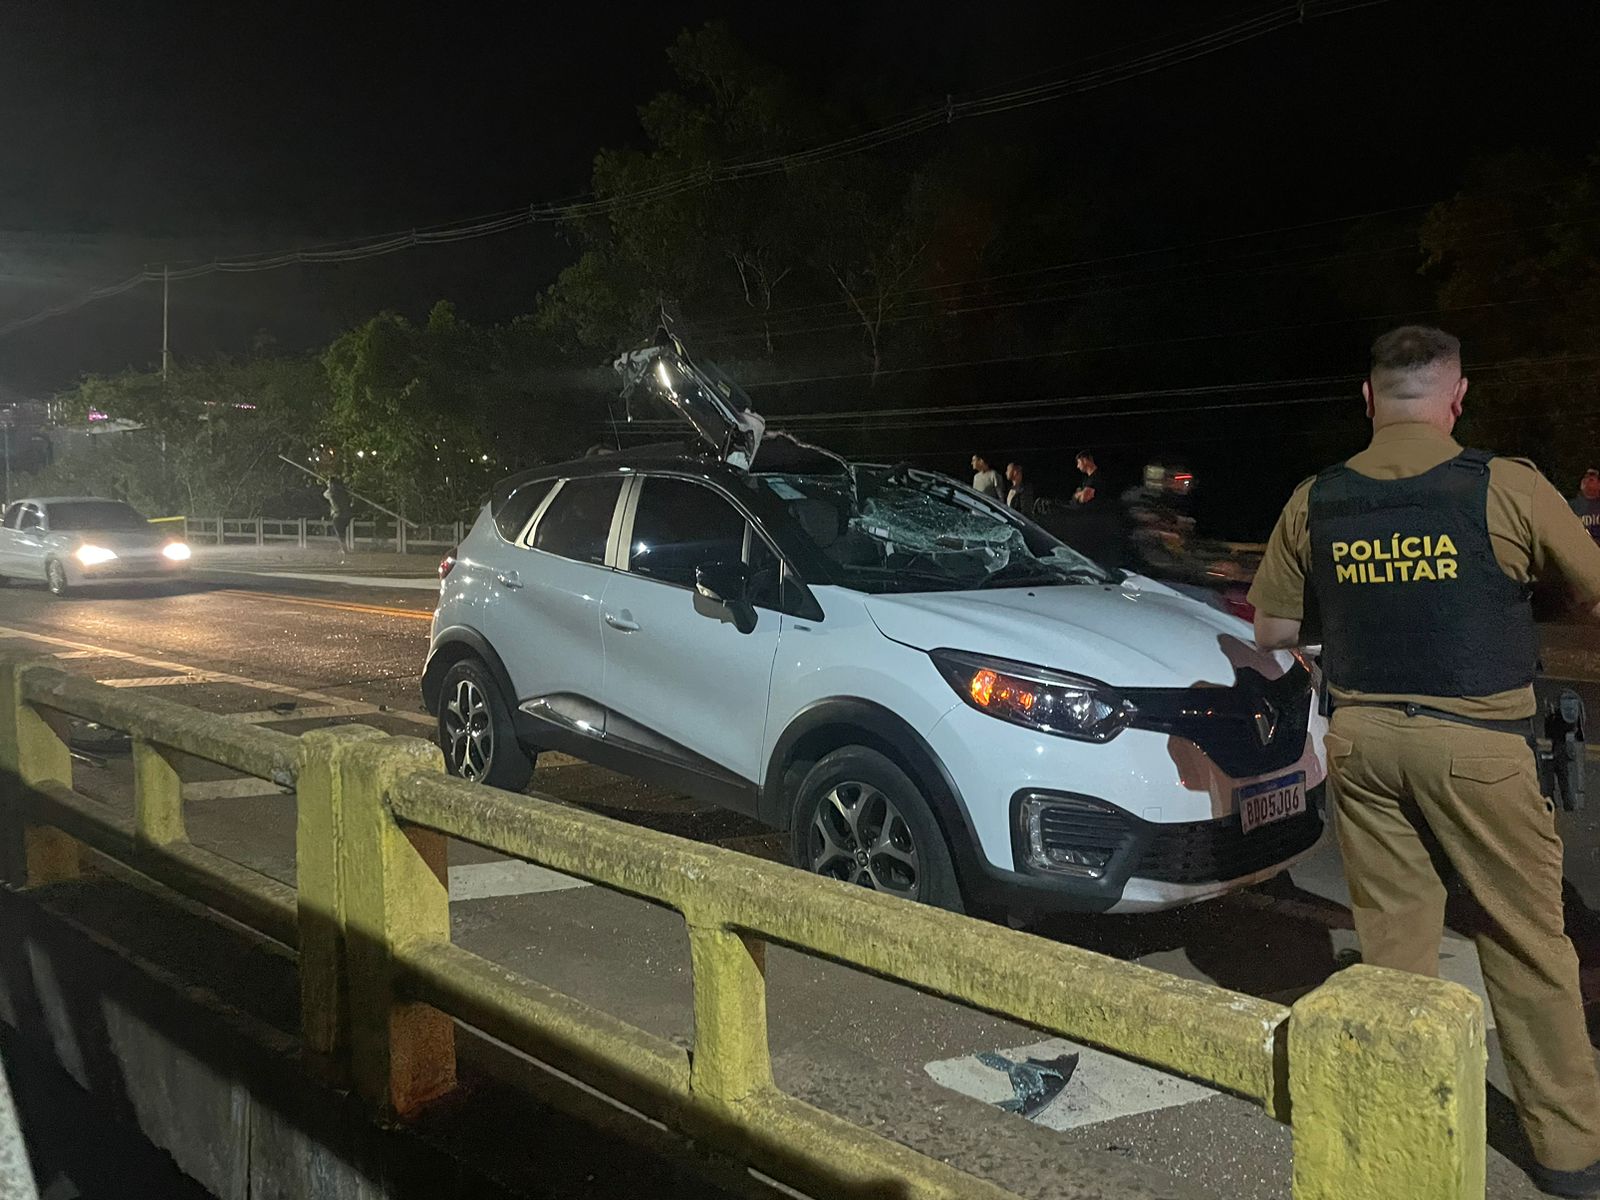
pixel 1379 1074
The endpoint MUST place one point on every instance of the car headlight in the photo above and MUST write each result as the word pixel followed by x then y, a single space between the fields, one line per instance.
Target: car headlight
pixel 176 551
pixel 1035 697
pixel 93 556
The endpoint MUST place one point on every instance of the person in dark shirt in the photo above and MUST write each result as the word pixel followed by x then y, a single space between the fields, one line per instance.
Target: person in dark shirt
pixel 1019 492
pixel 1091 491
pixel 1587 502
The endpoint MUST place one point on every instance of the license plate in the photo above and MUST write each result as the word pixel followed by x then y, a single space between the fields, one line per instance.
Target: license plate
pixel 1271 800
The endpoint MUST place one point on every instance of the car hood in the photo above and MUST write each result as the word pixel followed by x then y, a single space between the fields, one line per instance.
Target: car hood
pixel 1133 634
pixel 120 540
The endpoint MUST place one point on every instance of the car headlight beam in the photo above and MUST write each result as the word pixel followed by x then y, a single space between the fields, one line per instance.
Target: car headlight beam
pixel 93 556
pixel 175 552
pixel 1035 697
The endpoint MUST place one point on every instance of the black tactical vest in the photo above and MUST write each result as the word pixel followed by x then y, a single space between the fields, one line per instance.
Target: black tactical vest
pixel 1407 588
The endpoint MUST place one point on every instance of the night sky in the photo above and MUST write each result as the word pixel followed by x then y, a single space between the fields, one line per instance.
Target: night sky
pixel 142 133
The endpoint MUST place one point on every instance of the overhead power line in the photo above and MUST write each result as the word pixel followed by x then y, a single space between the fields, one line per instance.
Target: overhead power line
pixel 1082 407
pixel 1268 21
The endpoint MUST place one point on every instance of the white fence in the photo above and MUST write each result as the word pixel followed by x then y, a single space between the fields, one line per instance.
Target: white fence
pixel 389 536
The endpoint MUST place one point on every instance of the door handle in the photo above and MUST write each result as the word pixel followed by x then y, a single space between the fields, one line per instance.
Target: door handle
pixel 623 621
pixel 508 579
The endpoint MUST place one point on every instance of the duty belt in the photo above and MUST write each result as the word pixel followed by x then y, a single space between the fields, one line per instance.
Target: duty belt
pixel 1523 728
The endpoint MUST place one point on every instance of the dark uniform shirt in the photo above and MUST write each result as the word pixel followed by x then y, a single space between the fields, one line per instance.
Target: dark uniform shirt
pixel 1530 525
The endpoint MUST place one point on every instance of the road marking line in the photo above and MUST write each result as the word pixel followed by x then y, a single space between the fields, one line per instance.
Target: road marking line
pixel 381 610
pixel 64 654
pixel 1101 1088
pixel 397 582
pixel 157 664
pixel 231 789
pixel 513 877
pixel 132 681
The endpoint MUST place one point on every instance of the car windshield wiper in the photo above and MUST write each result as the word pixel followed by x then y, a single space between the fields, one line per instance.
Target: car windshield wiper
pixel 1026 575
pixel 894 574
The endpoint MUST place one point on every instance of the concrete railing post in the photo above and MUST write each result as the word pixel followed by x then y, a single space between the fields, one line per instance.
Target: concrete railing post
pixel 393 885
pixel 319 832
pixel 731 1063
pixel 219 531
pixel 1386 1088
pixel 32 751
pixel 400 532
pixel 300 533
pixel 261 533
pixel 157 797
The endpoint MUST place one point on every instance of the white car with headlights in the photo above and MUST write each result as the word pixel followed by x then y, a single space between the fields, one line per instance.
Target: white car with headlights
pixel 932 695
pixel 68 542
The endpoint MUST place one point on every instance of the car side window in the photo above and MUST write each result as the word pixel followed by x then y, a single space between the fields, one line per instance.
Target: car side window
pixel 32 518
pixel 13 515
pixel 679 525
pixel 512 516
pixel 577 524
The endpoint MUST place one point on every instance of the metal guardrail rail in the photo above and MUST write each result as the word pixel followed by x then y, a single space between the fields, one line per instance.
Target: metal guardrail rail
pixel 1379 1074
pixel 302 532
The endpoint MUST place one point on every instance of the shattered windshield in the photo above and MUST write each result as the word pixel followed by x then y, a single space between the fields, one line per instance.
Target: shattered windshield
pixel 898 530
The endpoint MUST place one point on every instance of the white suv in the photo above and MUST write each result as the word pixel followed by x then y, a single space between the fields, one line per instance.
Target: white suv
pixel 931 694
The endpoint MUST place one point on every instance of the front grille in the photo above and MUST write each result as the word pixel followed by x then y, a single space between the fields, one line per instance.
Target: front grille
pixel 1203 851
pixel 1228 723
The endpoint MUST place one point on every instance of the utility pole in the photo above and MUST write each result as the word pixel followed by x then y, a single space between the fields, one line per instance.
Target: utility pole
pixel 166 354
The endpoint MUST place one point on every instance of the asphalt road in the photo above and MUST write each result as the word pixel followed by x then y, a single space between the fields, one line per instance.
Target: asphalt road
pixel 299 654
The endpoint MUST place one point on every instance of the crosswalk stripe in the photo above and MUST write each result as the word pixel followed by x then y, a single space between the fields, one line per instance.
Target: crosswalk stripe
pixel 1099 1086
pixel 484 881
pixel 133 681
pixel 230 789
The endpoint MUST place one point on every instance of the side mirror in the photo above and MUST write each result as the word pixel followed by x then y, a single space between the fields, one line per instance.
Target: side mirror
pixel 727 584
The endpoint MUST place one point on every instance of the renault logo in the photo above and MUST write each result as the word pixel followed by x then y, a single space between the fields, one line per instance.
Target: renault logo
pixel 1266 721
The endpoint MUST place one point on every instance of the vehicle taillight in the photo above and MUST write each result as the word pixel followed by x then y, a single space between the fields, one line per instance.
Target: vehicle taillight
pixel 446 565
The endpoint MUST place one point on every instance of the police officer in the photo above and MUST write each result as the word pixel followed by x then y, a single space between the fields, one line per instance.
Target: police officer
pixel 1417 558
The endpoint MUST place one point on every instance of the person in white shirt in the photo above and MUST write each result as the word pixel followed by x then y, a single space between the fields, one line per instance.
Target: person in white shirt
pixel 985 478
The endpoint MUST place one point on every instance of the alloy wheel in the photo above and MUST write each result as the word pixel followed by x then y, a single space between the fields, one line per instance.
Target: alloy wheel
pixel 469 731
pixel 859 836
pixel 55 576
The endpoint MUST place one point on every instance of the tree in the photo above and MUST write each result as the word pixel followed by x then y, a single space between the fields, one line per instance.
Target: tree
pixel 873 232
pixel 696 250
pixel 1517 258
pixel 427 417
pixel 211 435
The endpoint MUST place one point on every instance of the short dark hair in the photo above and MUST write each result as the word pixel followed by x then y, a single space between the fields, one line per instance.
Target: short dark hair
pixel 1413 346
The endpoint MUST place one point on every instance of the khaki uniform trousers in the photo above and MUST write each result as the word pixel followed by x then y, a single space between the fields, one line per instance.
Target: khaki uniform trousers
pixel 1419 799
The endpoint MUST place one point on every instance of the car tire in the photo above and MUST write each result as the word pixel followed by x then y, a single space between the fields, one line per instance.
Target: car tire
pixel 55 577
pixel 859 818
pixel 476 732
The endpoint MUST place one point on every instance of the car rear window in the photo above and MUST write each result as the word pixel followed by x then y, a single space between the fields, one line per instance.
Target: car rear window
pixel 511 518
pixel 578 521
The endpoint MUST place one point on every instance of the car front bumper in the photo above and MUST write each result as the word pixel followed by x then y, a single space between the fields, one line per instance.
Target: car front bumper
pixel 125 570
pixel 1164 812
